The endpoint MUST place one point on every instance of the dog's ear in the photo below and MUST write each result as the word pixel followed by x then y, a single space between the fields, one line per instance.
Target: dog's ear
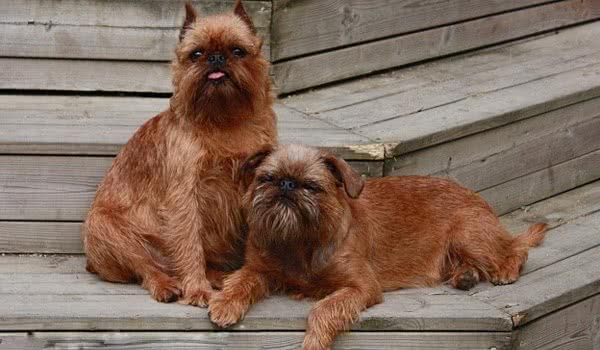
pixel 190 18
pixel 247 170
pixel 238 10
pixel 345 175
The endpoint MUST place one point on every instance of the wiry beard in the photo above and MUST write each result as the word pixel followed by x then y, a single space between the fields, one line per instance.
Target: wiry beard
pixel 276 220
pixel 201 99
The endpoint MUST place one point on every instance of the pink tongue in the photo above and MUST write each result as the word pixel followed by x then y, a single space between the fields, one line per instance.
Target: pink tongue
pixel 216 75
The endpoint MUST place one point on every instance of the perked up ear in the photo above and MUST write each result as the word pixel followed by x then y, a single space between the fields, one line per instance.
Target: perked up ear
pixel 238 10
pixel 345 175
pixel 190 18
pixel 247 171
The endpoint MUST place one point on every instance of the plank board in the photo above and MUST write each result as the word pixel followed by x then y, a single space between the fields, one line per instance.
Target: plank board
pixel 542 184
pixel 478 113
pixel 513 65
pixel 300 28
pixel 366 58
pixel 575 327
pixel 557 210
pixel 139 312
pixel 548 289
pixel 57 188
pixel 494 143
pixel 126 30
pixel 102 125
pixel 246 340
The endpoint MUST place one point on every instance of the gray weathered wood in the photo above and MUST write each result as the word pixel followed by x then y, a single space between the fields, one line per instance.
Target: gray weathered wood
pixel 422 76
pixel 101 125
pixel 548 289
pixel 40 237
pixel 247 340
pixel 139 312
pixel 478 113
pixel 62 188
pixel 512 66
pixel 537 154
pixel 557 210
pixel 575 327
pixel 84 75
pixel 544 183
pixel 300 28
pixel 125 30
pixel 365 58
pixel 496 142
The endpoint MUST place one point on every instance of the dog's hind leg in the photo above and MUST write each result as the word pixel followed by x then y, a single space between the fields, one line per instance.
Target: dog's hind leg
pixel 117 251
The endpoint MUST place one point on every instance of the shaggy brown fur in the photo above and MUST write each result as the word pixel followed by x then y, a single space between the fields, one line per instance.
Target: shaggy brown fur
pixel 312 233
pixel 168 213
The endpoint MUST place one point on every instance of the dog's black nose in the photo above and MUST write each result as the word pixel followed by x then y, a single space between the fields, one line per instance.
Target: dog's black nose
pixel 217 59
pixel 287 185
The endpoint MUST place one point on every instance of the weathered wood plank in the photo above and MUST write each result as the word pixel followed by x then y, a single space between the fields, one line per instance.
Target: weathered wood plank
pixel 300 28
pixel 557 210
pixel 542 184
pixel 124 30
pixel 548 289
pixel 537 154
pixel 84 75
pixel 513 65
pixel 49 188
pixel 365 58
pixel 41 264
pixel 576 327
pixel 40 237
pixel 60 188
pixel 478 148
pixel 478 113
pixel 246 340
pixel 139 312
pixel 422 76
pixel 101 125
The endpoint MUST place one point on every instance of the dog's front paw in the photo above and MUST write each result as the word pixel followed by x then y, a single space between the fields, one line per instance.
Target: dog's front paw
pixel 164 289
pixel 312 342
pixel 225 313
pixel 198 297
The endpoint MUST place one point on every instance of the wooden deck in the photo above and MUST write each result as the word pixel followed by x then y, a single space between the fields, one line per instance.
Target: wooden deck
pixel 519 123
pixel 557 298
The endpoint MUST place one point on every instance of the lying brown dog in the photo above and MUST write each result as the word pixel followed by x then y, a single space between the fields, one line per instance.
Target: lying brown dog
pixel 311 234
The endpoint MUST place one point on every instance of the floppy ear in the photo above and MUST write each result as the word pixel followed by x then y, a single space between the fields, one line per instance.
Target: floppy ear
pixel 345 175
pixel 238 10
pixel 190 18
pixel 247 171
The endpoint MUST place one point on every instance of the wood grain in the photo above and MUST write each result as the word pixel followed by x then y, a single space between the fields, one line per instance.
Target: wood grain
pixel 496 142
pixel 102 125
pixel 361 59
pixel 303 27
pixel 575 327
pixel 246 340
pixel 548 289
pixel 478 113
pixel 542 184
pixel 421 312
pixel 120 30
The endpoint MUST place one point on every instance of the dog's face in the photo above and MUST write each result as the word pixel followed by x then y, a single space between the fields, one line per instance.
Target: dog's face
pixel 219 65
pixel 296 192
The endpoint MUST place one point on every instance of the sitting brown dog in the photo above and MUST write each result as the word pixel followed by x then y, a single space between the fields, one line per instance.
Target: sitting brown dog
pixel 311 234
pixel 168 212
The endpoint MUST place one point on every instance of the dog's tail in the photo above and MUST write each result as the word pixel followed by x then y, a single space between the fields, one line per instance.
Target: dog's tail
pixel 532 237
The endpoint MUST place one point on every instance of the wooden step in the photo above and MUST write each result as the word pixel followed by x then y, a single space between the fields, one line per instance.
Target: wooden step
pixel 56 301
pixel 518 123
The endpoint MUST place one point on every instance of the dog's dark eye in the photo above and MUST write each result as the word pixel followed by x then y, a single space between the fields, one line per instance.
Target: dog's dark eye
pixel 238 52
pixel 195 55
pixel 266 178
pixel 313 187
